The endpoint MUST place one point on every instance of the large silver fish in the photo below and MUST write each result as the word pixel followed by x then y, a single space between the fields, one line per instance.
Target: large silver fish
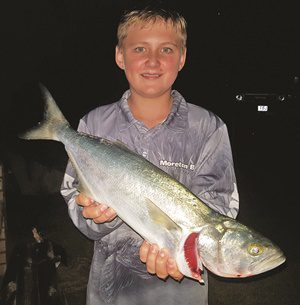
pixel 158 207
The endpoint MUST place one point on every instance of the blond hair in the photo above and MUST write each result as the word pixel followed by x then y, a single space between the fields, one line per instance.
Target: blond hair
pixel 152 15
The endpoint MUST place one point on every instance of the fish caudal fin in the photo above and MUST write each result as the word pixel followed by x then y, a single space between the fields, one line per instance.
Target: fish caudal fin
pixel 53 120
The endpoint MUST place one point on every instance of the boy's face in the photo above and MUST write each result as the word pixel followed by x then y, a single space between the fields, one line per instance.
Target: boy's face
pixel 151 56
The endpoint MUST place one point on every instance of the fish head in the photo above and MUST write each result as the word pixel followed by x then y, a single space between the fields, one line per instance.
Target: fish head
pixel 230 249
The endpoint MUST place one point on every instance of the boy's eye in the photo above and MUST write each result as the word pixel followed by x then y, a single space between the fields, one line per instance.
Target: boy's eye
pixel 166 50
pixel 139 49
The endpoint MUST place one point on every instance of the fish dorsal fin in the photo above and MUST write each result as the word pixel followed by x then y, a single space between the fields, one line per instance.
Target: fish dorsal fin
pixel 161 218
pixel 121 144
pixel 110 142
pixel 124 147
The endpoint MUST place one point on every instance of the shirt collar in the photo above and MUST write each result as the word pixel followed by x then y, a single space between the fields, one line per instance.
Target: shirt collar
pixel 176 120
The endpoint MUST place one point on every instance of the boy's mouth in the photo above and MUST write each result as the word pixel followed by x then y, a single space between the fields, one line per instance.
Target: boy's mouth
pixel 151 75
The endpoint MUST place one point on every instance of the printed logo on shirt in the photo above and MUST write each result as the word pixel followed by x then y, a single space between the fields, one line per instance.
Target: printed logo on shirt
pixel 176 164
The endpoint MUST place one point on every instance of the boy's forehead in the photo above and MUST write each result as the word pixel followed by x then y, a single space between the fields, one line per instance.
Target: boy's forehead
pixel 154 28
pixel 142 26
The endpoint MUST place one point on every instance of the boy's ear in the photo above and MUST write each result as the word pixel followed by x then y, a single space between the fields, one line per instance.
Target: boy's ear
pixel 119 58
pixel 182 60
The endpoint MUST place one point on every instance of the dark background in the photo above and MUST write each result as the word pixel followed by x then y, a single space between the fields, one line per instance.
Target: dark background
pixel 234 47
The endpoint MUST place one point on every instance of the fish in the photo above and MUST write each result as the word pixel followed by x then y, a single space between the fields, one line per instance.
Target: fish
pixel 157 206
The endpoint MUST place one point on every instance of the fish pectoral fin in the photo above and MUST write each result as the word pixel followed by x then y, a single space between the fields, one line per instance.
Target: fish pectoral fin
pixel 160 217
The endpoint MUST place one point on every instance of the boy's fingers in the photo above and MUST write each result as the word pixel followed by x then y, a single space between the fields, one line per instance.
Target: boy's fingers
pixel 92 211
pixel 161 264
pixel 101 219
pixel 98 212
pixel 107 215
pixel 144 249
pixel 173 271
pixel 83 200
pixel 151 259
pixel 110 213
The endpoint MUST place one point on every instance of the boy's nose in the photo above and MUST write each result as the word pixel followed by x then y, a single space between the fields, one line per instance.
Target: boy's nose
pixel 153 59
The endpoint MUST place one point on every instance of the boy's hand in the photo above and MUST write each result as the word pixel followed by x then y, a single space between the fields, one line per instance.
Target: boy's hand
pixel 100 213
pixel 159 262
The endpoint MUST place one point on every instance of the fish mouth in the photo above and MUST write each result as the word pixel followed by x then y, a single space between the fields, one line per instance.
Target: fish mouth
pixel 269 263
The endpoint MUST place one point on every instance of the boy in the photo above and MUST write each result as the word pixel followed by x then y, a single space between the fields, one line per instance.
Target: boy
pixel 187 141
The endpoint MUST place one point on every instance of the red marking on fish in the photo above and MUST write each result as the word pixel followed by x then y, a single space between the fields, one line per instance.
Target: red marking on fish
pixel 191 254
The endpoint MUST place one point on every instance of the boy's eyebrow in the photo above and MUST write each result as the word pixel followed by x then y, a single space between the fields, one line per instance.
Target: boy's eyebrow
pixel 162 43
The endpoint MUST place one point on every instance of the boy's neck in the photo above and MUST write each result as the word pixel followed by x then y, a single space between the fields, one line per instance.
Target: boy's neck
pixel 151 112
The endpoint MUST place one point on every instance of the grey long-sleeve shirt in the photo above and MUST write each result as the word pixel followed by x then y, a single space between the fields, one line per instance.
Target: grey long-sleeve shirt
pixel 192 145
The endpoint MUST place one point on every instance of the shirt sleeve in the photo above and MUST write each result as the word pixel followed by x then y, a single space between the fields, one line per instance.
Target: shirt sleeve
pixel 69 190
pixel 214 180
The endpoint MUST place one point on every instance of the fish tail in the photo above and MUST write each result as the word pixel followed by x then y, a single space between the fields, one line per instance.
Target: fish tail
pixel 53 121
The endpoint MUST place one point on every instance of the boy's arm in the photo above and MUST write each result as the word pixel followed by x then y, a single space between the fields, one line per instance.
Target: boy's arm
pixel 214 180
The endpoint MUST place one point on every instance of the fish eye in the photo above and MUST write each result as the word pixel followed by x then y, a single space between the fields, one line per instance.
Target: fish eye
pixel 255 249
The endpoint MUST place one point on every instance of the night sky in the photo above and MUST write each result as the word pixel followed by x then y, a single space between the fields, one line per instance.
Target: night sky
pixel 233 46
